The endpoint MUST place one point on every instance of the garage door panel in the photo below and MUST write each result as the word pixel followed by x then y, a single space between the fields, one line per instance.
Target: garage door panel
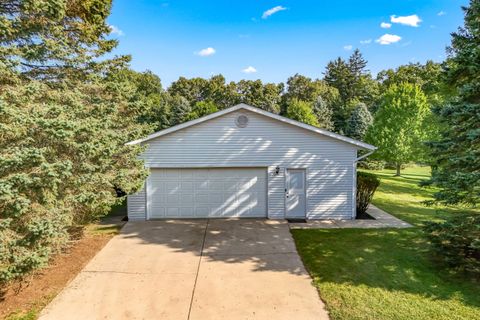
pixel 202 193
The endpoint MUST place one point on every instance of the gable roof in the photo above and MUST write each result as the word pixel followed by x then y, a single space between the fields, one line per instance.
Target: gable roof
pixel 243 106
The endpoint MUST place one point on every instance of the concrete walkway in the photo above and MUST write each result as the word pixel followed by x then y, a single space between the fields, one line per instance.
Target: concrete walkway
pixel 193 269
pixel 382 220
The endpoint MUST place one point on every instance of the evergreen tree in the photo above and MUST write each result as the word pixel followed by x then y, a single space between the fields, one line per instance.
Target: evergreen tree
pixel 354 84
pixel 398 127
pixel 359 122
pixel 457 152
pixel 50 40
pixel 64 119
pixel 323 114
pixel 180 110
pixel 301 111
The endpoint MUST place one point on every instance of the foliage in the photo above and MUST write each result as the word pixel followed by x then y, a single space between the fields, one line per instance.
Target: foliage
pixel 371 164
pixel 367 183
pixel 427 76
pixel 54 39
pixel 456 153
pixel 253 92
pixel 457 241
pixel 264 96
pixel 398 129
pixel 305 89
pixel 64 120
pixel 180 110
pixel 301 111
pixel 201 109
pixel 323 114
pixel 359 122
pixel 354 84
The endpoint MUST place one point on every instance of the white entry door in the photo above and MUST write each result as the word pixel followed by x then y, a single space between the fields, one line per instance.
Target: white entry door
pixel 295 194
pixel 206 193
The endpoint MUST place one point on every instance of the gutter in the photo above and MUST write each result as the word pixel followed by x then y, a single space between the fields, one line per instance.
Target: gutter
pixel 364 156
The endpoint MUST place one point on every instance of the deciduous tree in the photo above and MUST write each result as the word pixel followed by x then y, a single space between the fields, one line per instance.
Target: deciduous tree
pixel 301 111
pixel 398 129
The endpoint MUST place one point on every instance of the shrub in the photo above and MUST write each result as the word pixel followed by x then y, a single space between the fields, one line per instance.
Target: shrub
pixel 372 164
pixel 367 183
pixel 457 241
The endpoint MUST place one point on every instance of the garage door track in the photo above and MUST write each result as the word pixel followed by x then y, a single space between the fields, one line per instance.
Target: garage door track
pixel 193 269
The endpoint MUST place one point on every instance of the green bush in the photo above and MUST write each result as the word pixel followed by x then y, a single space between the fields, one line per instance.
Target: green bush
pixel 372 164
pixel 367 183
pixel 457 241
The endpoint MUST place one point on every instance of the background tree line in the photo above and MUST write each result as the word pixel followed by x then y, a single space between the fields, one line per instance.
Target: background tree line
pixel 66 112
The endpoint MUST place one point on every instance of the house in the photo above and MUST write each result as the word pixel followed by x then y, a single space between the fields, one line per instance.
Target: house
pixel 246 162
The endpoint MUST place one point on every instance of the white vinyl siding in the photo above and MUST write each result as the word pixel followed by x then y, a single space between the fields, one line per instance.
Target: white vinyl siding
pixel 136 205
pixel 268 143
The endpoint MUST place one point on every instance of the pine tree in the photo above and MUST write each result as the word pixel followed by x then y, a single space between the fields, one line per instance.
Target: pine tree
pixel 359 122
pixel 65 120
pixel 179 109
pixel 323 114
pixel 457 153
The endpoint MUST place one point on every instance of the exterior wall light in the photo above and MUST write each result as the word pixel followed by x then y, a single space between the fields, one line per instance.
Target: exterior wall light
pixel 277 170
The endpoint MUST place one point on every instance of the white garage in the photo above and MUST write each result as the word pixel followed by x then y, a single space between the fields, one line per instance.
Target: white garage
pixel 247 162
pixel 207 193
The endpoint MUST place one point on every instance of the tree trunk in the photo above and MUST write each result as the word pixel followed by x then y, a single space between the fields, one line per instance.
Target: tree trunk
pixel 398 169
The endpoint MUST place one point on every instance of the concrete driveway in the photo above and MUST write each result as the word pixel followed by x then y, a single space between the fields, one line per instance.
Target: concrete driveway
pixel 193 269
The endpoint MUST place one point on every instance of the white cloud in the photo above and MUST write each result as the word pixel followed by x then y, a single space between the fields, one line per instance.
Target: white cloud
pixel 206 52
pixel 388 39
pixel 412 21
pixel 115 30
pixel 385 25
pixel 441 13
pixel 368 41
pixel 272 11
pixel 348 47
pixel 249 69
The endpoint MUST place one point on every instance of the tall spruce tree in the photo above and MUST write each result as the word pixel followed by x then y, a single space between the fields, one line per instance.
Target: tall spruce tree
pixel 457 153
pixel 354 84
pixel 64 123
pixel 180 108
pixel 323 114
pixel 359 122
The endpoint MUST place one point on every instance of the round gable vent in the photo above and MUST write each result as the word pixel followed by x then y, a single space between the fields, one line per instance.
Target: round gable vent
pixel 242 121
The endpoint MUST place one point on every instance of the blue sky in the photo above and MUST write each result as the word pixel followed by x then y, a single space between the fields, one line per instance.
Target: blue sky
pixel 272 40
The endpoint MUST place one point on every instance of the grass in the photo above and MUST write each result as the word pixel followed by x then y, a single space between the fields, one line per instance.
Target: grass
pixel 403 197
pixel 388 273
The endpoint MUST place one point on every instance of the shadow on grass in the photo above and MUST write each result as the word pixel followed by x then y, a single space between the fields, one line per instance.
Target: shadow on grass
pixel 394 260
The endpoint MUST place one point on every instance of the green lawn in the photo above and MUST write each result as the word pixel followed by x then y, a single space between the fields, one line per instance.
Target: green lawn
pixel 388 273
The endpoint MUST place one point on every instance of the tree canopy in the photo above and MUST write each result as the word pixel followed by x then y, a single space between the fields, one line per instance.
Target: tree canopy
pixel 457 153
pixel 397 129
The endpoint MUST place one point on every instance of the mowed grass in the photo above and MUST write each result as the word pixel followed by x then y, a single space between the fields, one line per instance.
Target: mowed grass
pixel 388 273
pixel 403 197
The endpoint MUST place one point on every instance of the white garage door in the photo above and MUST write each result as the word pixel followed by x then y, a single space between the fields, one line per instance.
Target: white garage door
pixel 202 193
